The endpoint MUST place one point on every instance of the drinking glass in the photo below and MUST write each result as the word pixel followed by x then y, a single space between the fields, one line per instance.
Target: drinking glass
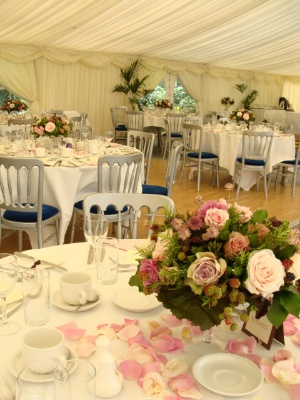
pixel 201 345
pixel 109 135
pixel 95 231
pixel 9 271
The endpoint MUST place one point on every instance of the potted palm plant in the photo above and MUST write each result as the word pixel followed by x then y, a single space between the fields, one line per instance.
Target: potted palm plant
pixel 133 86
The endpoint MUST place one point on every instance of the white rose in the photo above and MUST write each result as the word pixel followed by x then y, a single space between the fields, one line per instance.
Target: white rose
pixel 265 273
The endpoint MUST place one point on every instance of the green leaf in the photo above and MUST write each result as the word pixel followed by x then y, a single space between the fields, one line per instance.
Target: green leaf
pixel 290 301
pixel 135 281
pixel 254 241
pixel 259 216
pixel 183 303
pixel 277 313
pixel 286 252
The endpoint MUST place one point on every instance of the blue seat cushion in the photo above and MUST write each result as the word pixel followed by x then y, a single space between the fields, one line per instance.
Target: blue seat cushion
pixel 175 134
pixel 255 163
pixel 19 216
pixel 291 162
pixel 204 155
pixel 111 210
pixel 154 189
pixel 121 128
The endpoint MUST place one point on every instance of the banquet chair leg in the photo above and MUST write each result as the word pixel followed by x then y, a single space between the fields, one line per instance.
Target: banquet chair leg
pixel 20 240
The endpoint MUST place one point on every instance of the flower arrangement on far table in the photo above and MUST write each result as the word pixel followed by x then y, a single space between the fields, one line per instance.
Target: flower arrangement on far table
pixel 14 105
pixel 203 264
pixel 242 115
pixel 227 101
pixel 163 104
pixel 52 125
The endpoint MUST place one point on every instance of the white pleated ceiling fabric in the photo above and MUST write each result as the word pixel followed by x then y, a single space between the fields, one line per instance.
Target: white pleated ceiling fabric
pixel 249 35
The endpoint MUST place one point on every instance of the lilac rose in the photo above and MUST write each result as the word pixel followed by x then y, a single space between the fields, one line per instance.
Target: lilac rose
pixel 148 272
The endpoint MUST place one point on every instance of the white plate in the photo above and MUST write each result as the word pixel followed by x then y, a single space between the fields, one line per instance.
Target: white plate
pixel 27 263
pixel 130 299
pixel 128 258
pixel 58 302
pixel 228 374
pixel 17 365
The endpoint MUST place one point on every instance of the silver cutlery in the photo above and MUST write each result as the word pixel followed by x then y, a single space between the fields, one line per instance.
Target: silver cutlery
pixel 43 262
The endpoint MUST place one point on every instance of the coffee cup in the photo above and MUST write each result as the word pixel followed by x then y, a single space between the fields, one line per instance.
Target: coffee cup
pixel 40 151
pixel 75 287
pixel 43 348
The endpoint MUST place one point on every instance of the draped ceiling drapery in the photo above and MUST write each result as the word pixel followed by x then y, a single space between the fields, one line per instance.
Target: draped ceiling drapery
pixel 67 54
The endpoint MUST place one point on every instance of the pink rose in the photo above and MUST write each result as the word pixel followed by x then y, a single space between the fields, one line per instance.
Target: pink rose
pixel 39 130
pixel 215 216
pixel 148 272
pixel 265 273
pixel 246 116
pixel 245 212
pixel 50 127
pixel 206 269
pixel 236 244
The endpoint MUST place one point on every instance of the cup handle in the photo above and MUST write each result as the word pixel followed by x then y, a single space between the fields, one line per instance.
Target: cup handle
pixel 60 359
pixel 82 297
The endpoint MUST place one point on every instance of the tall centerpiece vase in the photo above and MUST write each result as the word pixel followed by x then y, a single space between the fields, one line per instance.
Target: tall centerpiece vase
pixel 227 107
pixel 197 346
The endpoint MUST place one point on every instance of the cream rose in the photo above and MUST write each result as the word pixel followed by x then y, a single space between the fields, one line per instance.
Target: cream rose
pixel 216 216
pixel 246 116
pixel 49 127
pixel 265 273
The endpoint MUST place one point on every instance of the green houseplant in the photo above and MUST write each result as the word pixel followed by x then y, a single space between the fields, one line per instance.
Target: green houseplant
pixel 250 98
pixel 133 85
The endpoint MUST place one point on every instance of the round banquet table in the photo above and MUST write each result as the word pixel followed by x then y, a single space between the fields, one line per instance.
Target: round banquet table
pixel 74 257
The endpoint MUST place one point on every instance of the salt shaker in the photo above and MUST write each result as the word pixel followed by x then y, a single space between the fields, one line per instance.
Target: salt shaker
pixel 108 380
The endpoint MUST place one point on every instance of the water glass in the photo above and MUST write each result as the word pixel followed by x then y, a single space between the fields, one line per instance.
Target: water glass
pixel 107 268
pixel 75 380
pixel 36 296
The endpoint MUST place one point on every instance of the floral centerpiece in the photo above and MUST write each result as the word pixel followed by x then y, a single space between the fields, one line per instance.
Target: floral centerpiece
pixel 227 101
pixel 51 125
pixel 242 115
pixel 163 104
pixel 203 264
pixel 14 105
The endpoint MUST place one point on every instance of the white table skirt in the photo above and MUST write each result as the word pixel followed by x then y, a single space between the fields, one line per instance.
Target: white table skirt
pixel 228 146
pixel 75 257
pixel 152 120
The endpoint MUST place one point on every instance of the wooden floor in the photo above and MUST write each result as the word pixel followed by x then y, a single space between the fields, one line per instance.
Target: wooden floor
pixel 280 202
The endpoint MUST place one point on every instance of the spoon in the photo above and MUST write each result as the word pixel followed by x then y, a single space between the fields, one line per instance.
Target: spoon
pixel 92 299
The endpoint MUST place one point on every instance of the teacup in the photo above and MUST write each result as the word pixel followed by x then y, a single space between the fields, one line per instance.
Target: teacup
pixel 75 287
pixel 43 348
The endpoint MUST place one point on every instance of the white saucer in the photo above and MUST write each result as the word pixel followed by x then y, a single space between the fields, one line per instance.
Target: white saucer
pixel 130 299
pixel 17 365
pixel 58 302
pixel 228 374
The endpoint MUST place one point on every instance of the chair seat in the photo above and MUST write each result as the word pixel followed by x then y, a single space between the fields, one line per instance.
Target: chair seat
pixel 154 189
pixel 176 135
pixel 204 155
pixel 256 163
pixel 111 210
pixel 19 216
pixel 121 128
pixel 290 162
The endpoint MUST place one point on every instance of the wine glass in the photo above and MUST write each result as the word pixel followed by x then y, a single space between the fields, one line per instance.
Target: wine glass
pixel 200 345
pixel 8 278
pixel 109 136
pixel 95 231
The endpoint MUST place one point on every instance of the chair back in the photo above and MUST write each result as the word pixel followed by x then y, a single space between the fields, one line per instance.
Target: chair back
pixel 256 145
pixel 174 122
pixel 10 132
pixel 192 135
pixel 21 185
pixel 24 124
pixel 135 120
pixel 77 121
pixel 144 142
pixel 119 173
pixel 193 120
pixel 138 203
pixel 173 163
pixel 118 116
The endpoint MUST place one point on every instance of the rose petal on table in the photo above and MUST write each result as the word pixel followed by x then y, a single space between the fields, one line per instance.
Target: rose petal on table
pixel 174 368
pixel 71 331
pixel 162 329
pixel 85 349
pixel 267 373
pixel 184 386
pixel 139 338
pixel 140 354
pixel 130 369
pixel 282 354
pixel 171 320
pixel 154 366
pixel 106 331
pixel 285 372
pixel 296 337
pixel 294 392
pixel 289 328
pixel 128 332
pixel 242 346
pixel 165 343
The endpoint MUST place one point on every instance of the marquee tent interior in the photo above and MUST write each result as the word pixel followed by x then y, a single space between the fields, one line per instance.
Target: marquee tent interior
pixel 67 54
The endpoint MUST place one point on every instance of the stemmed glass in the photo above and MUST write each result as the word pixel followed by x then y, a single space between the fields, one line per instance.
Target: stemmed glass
pixel 202 345
pixel 109 135
pixel 9 270
pixel 95 231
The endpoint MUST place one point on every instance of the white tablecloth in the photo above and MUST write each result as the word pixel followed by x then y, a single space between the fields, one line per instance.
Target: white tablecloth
pixel 228 146
pixel 75 256
pixel 284 118
pixel 152 120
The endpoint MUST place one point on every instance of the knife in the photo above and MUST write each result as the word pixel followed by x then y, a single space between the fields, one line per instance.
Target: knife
pixel 43 262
